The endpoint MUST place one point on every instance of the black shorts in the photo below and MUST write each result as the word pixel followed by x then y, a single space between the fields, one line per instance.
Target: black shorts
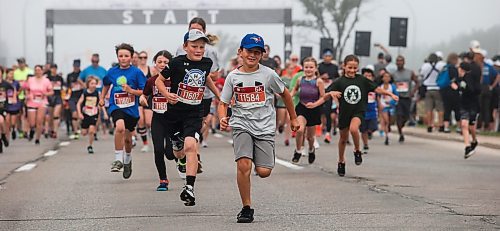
pixel 403 109
pixel 130 122
pixel 89 121
pixel 188 126
pixel 326 108
pixel 345 120
pixel 13 112
pixel 312 115
pixel 469 113
pixel 207 103
pixel 55 100
pixel 72 104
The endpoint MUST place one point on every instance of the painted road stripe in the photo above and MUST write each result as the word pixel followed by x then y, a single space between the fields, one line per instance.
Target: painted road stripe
pixel 65 143
pixel 50 153
pixel 230 141
pixel 217 135
pixel 26 167
pixel 288 164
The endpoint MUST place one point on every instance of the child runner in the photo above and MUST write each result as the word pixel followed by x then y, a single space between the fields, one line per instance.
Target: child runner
pixel 388 104
pixel 14 105
pixel 188 76
pixel 88 110
pixel 5 87
pixel 311 90
pixel 128 82
pixel 283 119
pixel 145 115
pixel 370 123
pixel 352 90
pixel 253 117
pixel 153 100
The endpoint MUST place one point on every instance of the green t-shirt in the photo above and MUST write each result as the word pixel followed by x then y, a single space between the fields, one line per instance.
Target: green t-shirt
pixel 20 76
pixel 280 103
pixel 295 98
pixel 354 91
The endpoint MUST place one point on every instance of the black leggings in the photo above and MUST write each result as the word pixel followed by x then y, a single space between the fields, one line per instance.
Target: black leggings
pixel 161 143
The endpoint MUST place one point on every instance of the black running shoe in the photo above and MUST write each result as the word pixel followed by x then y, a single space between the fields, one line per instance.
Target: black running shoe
pixel 37 142
pixel 469 152
pixel 312 156
pixel 13 134
pixel 246 215
pixel 365 149
pixel 31 135
pixel 296 157
pixel 341 169
pixel 90 150
pixel 401 139
pixel 473 144
pixel 429 129
pixel 5 141
pixel 127 170
pixel 181 168
pixel 187 195
pixel 357 157
pixel 386 141
pixel 441 129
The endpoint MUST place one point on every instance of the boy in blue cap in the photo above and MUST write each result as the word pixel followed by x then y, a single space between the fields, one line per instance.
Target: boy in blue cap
pixel 253 116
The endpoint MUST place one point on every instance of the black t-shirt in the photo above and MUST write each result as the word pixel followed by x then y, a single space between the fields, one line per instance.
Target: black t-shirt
pixel 188 76
pixel 57 84
pixel 90 103
pixel 354 91
pixel 74 85
pixel 4 87
pixel 330 68
pixel 269 63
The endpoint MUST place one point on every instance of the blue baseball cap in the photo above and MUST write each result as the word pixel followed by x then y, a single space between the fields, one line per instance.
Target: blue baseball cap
pixel 251 41
pixel 194 34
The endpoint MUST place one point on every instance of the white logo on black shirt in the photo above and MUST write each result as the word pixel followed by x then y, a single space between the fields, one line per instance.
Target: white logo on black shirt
pixel 352 94
pixel 195 77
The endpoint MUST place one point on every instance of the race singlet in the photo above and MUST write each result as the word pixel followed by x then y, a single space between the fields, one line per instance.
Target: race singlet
pixel 372 97
pixel 90 107
pixel 189 94
pixel 124 100
pixel 250 97
pixel 402 87
pixel 159 103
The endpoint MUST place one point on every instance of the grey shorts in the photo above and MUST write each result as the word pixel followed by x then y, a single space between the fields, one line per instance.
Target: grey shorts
pixel 259 150
pixel 433 100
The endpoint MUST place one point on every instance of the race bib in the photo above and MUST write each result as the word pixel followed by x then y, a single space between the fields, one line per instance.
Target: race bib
pixel 124 100
pixel 38 98
pixel 372 97
pixel 75 87
pixel 189 94
pixel 11 97
pixel 160 104
pixel 90 110
pixel 402 87
pixel 56 86
pixel 250 97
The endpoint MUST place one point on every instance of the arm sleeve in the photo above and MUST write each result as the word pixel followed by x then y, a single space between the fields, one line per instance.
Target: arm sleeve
pixel 371 86
pixel 106 80
pixel 227 90
pixel 148 89
pixel 276 83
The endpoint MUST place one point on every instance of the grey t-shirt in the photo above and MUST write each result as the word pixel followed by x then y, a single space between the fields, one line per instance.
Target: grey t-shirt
pixel 210 52
pixel 403 81
pixel 253 110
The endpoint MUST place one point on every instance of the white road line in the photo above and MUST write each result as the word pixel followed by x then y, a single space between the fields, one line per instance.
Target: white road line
pixel 65 143
pixel 230 141
pixel 26 167
pixel 217 135
pixel 288 164
pixel 50 153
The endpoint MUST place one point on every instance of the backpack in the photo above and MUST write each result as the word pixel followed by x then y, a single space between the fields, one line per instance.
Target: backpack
pixel 443 79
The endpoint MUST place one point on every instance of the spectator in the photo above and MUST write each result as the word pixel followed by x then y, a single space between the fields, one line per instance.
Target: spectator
pixel 279 67
pixel 433 101
pixel 488 82
pixel 405 81
pixel 266 60
pixel 451 97
pixel 94 70
pixel 294 62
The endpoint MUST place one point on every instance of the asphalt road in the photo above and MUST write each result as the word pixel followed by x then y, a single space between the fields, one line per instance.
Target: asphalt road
pixel 420 185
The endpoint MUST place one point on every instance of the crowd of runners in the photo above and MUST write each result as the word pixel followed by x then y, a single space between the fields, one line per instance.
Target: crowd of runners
pixel 185 96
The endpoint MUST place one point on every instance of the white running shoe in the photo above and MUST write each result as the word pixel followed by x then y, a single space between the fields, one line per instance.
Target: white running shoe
pixel 145 148
pixel 316 143
pixel 204 144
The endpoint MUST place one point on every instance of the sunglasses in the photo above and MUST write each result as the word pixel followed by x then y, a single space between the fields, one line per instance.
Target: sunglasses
pixel 143 57
pixel 295 59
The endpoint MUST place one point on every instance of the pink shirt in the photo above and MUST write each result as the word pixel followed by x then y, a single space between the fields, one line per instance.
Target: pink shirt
pixel 38 89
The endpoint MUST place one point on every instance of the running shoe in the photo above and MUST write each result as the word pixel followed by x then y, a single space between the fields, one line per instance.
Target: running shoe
pixel 145 148
pixel 341 169
pixel 328 138
pixel 312 156
pixel 447 130
pixel 469 152
pixel 5 140
pixel 37 142
pixel 401 139
pixel 1 147
pixel 357 157
pixel 365 149
pixel 441 129
pixel 181 168
pixel 116 166
pixel 177 142
pixel 386 142
pixel 134 141
pixel 95 137
pixel 316 144
pixel 246 215
pixel 458 130
pixel 187 195
pixel 13 135
pixel 296 157
pixel 473 144
pixel 200 168
pixel 334 131
pixel 46 135
pixel 31 135
pixel 127 170
pixel 429 129
pixel 90 150
pixel 163 186
pixel 280 129
pixel 204 144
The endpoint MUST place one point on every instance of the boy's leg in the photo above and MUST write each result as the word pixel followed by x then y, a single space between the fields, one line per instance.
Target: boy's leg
pixel 244 166
pixel 344 135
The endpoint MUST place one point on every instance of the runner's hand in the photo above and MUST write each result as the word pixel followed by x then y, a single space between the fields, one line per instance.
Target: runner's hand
pixel 336 94
pixel 224 123
pixel 454 86
pixel 395 97
pixel 294 125
pixel 80 115
pixel 310 105
pixel 143 101
pixel 101 102
pixel 126 88
pixel 172 98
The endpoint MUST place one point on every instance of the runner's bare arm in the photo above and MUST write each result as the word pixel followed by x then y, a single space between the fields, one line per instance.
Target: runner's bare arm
pixel 104 92
pixel 159 82
pixel 287 99
pixel 143 101
pixel 211 85
pixel 79 107
pixel 222 112
pixel 296 87
pixel 382 91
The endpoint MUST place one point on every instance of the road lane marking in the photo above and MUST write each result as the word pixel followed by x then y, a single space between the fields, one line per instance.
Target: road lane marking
pixel 288 164
pixel 65 143
pixel 230 141
pixel 26 167
pixel 217 135
pixel 50 153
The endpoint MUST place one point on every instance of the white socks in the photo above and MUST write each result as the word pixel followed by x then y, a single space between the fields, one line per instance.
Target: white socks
pixel 127 158
pixel 119 155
